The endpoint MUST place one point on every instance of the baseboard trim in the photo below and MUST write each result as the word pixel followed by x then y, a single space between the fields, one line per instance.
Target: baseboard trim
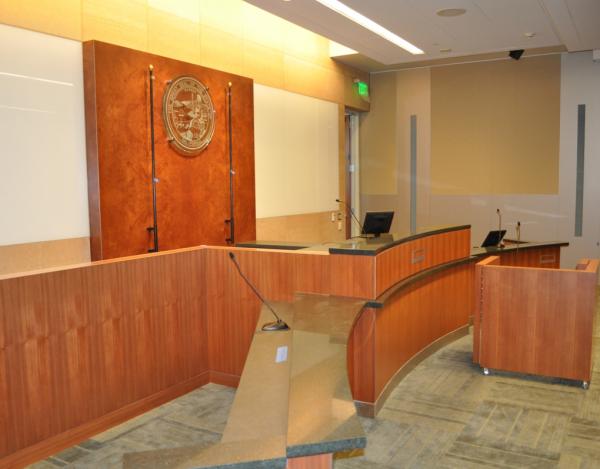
pixel 225 379
pixel 71 437
pixel 371 409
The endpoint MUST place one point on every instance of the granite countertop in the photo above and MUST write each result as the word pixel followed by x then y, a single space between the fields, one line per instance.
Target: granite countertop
pixel 299 406
pixel 490 251
pixel 357 246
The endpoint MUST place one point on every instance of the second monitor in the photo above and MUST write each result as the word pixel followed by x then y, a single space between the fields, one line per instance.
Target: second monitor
pixel 377 223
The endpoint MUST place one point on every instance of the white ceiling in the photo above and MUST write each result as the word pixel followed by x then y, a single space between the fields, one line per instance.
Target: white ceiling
pixel 488 25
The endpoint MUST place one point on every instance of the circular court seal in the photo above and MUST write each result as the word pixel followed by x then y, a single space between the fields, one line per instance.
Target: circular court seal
pixel 189 115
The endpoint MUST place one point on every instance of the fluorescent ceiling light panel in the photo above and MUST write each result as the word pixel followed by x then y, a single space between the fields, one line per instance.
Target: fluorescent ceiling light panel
pixel 369 24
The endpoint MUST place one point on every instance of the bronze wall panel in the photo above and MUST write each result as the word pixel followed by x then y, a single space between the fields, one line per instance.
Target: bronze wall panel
pixel 193 192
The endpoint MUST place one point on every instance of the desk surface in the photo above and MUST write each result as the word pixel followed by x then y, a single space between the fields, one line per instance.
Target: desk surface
pixel 297 407
pixel 355 246
pixel 374 246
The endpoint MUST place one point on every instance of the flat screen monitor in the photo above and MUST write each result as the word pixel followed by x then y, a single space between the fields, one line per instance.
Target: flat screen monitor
pixel 493 238
pixel 377 223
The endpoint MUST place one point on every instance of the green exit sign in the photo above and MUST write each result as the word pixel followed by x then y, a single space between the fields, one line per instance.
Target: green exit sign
pixel 363 89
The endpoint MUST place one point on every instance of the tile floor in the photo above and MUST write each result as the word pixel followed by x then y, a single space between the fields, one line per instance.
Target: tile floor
pixel 444 414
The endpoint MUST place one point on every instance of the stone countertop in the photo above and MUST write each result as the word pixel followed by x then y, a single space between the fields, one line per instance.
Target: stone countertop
pixel 296 407
pixel 490 251
pixel 370 246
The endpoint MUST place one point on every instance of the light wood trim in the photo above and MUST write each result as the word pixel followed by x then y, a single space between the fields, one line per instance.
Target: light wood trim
pixel 16 258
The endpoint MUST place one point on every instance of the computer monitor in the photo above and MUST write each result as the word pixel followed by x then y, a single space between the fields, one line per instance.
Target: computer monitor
pixel 377 223
pixel 493 238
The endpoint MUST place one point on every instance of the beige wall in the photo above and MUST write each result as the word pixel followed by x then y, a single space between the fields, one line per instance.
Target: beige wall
pixel 401 95
pixel 313 228
pixel 34 256
pixel 486 128
pixel 495 127
pixel 378 138
pixel 228 35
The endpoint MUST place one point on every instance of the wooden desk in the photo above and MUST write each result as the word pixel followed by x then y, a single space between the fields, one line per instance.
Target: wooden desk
pixel 535 320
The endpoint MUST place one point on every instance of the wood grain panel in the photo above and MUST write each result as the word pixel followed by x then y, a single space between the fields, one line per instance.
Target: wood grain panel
pixel 417 316
pixel 537 320
pixel 352 275
pixel 548 257
pixel 408 258
pixel 80 343
pixel 361 357
pixel 233 308
pixel 193 192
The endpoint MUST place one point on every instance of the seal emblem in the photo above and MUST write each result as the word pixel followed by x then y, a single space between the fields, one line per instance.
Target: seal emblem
pixel 189 115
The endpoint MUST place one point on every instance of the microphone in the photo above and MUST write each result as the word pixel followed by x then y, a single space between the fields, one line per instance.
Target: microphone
pixel 500 245
pixel 518 234
pixel 351 212
pixel 279 324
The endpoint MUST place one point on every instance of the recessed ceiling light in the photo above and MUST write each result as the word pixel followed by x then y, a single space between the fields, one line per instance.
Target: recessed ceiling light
pixel 369 24
pixel 448 12
pixel 446 50
pixel 529 35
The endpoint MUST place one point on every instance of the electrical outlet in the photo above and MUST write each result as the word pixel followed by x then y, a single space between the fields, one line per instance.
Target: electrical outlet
pixel 333 217
pixel 339 226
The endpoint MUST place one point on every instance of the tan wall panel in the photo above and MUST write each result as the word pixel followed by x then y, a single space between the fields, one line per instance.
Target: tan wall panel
pixel 58 17
pixel 264 64
pixel 120 22
pixel 234 37
pixel 34 256
pixel 163 27
pixel 495 127
pixel 305 228
pixel 221 50
pixel 378 146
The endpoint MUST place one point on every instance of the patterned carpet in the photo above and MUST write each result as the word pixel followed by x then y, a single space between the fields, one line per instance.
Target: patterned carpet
pixel 444 414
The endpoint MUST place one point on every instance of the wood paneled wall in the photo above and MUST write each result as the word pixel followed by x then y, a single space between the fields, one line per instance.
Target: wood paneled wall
pixel 87 347
pixel 414 256
pixel 192 192
pixel 385 339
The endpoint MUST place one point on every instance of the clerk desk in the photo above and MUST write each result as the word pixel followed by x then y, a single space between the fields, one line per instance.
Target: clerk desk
pixel 85 347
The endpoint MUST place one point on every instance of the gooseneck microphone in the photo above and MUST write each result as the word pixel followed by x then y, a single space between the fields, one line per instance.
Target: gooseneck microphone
pixel 279 324
pixel 351 213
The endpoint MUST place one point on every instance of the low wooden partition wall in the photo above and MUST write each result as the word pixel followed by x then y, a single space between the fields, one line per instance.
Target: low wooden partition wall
pixel 391 337
pixel 535 320
pixel 85 347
